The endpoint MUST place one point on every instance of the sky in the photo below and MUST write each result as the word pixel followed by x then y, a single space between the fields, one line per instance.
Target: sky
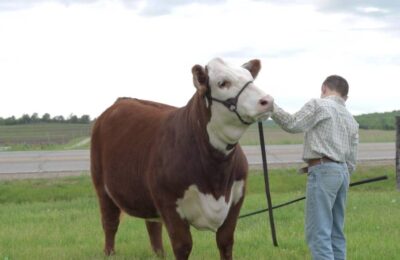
pixel 68 57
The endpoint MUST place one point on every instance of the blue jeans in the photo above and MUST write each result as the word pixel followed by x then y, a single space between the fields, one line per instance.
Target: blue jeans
pixel 327 187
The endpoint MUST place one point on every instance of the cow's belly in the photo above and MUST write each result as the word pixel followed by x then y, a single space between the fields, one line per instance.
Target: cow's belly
pixel 203 211
pixel 133 203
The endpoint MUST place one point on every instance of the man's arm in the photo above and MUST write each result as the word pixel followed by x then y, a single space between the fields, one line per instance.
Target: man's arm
pixel 306 118
pixel 351 161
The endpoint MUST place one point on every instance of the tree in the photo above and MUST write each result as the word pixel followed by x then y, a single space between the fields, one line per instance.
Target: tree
pixel 59 119
pixel 73 119
pixel 46 118
pixel 84 119
pixel 10 121
pixel 35 118
pixel 25 119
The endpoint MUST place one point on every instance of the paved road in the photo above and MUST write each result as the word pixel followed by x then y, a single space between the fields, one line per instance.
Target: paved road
pixel 76 161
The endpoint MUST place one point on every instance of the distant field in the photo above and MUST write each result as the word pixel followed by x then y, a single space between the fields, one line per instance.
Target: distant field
pixel 48 136
pixel 273 134
pixel 53 136
pixel 60 219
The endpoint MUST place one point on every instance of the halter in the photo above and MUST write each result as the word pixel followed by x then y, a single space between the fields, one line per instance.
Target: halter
pixel 231 103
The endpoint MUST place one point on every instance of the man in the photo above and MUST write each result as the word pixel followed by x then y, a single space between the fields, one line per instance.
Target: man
pixel 330 150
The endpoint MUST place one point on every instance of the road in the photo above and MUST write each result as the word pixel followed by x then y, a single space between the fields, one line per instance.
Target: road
pixel 55 163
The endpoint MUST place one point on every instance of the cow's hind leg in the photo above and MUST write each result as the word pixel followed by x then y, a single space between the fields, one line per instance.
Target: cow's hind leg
pixel 110 214
pixel 155 233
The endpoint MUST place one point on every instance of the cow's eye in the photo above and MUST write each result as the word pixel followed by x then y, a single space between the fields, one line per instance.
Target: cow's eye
pixel 223 84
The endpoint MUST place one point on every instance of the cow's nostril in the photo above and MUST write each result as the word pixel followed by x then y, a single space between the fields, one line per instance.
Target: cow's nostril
pixel 263 102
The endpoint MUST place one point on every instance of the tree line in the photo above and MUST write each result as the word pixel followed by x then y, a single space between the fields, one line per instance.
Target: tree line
pixel 45 118
pixel 382 121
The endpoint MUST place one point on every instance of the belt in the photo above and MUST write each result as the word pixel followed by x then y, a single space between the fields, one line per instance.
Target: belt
pixel 313 162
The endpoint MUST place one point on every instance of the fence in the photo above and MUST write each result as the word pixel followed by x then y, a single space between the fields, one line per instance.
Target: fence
pixel 398 152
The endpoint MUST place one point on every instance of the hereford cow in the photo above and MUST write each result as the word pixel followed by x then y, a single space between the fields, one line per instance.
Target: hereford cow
pixel 179 166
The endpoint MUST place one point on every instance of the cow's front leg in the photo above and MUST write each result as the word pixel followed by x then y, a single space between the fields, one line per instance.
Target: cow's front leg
pixel 225 232
pixel 155 233
pixel 179 233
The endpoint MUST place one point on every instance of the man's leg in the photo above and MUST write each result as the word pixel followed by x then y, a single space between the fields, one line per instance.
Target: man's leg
pixel 338 213
pixel 323 184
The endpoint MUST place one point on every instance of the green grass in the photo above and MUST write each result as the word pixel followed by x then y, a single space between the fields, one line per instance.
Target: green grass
pixel 59 219
pixel 43 136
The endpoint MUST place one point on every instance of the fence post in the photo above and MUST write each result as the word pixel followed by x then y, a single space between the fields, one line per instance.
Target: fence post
pixel 398 151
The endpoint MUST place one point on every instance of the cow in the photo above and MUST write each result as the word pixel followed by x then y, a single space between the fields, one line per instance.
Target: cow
pixel 179 167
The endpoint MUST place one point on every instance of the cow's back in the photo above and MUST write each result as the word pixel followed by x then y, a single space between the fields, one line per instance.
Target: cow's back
pixel 122 139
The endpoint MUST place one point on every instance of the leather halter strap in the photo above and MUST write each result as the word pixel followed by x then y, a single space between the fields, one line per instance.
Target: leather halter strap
pixel 231 103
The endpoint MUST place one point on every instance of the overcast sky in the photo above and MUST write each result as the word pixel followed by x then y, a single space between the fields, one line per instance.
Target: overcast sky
pixel 69 56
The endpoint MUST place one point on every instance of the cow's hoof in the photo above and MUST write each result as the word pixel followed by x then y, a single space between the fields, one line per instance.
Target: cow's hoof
pixel 160 253
pixel 109 251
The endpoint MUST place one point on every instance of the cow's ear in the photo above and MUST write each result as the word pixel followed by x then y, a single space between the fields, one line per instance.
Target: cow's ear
pixel 253 66
pixel 200 79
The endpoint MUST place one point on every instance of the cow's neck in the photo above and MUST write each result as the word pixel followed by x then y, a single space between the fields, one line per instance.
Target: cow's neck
pixel 218 127
pixel 213 158
pixel 224 129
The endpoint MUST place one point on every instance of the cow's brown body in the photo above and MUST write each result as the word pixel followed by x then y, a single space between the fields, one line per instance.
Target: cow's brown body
pixel 181 166
pixel 144 155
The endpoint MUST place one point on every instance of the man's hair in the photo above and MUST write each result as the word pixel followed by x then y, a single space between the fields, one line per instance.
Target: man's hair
pixel 338 84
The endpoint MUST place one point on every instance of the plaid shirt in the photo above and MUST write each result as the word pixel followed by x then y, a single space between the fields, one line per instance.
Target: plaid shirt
pixel 330 129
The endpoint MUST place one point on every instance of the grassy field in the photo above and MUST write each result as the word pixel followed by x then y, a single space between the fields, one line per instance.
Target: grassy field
pixel 49 136
pixel 59 219
pixel 72 136
pixel 273 134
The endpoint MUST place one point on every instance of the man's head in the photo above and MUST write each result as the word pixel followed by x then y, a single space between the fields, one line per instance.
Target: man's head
pixel 335 85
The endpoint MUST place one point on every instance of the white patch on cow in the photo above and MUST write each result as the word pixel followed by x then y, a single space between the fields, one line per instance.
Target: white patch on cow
pixel 204 211
pixel 237 189
pixel 220 135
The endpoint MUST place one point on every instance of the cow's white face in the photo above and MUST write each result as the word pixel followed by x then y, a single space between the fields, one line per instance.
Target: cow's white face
pixel 225 82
